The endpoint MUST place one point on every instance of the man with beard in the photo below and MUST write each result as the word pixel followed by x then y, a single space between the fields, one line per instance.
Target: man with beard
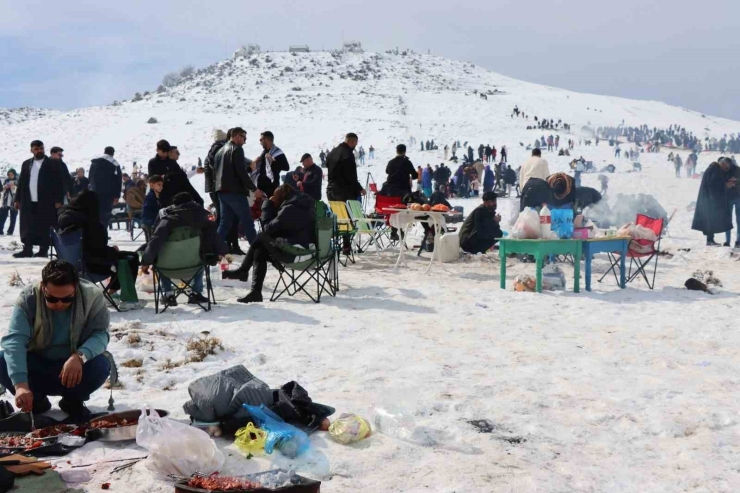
pixel 105 181
pixel 220 138
pixel 57 153
pixel 39 194
pixel 270 163
pixel 175 179
pixel 342 175
pixel 481 229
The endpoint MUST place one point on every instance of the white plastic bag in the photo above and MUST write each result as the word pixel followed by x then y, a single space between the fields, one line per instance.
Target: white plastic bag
pixel 176 448
pixel 527 226
pixel 145 282
pixel 553 278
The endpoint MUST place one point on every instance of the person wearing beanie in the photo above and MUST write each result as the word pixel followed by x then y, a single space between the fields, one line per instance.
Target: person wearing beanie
pixel 481 229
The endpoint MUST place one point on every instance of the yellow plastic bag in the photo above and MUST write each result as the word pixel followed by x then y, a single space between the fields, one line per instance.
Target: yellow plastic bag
pixel 349 428
pixel 250 439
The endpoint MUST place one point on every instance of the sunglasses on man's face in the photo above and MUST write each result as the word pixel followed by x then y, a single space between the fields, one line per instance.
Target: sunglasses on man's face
pixel 53 299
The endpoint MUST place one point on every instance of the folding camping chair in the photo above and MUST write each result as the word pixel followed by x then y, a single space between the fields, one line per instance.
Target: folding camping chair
pixel 135 220
pixel 68 246
pixel 180 258
pixel 639 250
pixel 376 228
pixel 319 264
pixel 346 228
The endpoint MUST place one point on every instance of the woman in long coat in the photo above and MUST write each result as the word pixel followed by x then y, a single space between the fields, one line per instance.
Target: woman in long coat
pixel 712 214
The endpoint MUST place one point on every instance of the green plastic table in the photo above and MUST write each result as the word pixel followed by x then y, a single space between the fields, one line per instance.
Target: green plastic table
pixel 540 249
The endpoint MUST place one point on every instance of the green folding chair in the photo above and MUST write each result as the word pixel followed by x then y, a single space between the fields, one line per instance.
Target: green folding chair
pixel 379 233
pixel 318 274
pixel 181 258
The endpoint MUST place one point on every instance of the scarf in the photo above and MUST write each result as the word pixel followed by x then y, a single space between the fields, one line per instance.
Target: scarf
pixel 559 178
pixel 264 169
pixel 42 328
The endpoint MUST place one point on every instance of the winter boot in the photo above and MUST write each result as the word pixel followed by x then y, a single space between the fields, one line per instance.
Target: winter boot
pixel 258 277
pixel 25 253
pixel 238 274
pixel 42 253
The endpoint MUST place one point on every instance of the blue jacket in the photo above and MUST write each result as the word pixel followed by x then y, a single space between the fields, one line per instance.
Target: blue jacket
pixel 151 209
pixel 426 178
pixel 489 179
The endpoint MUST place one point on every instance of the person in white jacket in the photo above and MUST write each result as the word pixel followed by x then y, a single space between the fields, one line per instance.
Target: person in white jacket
pixel 534 167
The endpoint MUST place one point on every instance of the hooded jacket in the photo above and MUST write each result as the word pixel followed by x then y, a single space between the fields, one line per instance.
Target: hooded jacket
pixel 191 215
pixel 295 220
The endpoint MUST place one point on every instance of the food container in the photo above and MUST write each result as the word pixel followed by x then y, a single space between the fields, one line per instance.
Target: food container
pixel 299 484
pixel 119 433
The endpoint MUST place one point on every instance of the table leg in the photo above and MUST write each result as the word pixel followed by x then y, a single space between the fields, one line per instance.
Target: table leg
pixel 539 259
pixel 577 273
pixel 502 256
pixel 623 266
pixel 402 245
pixel 437 237
pixel 588 259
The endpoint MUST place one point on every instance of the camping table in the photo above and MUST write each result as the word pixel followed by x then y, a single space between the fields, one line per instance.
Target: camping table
pixel 606 245
pixel 540 249
pixel 433 218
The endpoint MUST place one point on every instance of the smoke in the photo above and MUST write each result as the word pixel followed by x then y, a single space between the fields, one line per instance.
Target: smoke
pixel 624 210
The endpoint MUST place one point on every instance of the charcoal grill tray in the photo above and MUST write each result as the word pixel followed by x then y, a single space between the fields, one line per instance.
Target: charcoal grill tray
pixel 304 485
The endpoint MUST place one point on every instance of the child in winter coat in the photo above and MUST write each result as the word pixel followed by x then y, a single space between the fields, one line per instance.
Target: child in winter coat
pixel 152 206
pixel 7 207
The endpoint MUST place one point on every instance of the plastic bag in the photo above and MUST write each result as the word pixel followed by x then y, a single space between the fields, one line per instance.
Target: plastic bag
pixel 176 448
pixel 349 428
pixel 250 439
pixel 145 282
pixel 288 439
pixel 527 225
pixel 562 223
pixel 553 278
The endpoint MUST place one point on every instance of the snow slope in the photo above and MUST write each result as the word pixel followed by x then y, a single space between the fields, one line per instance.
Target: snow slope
pixel 608 391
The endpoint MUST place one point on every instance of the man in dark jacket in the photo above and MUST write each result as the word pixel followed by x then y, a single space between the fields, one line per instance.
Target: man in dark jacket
pixel 400 172
pixel 322 156
pixel 39 194
pixel 80 183
pixel 220 140
pixel 269 164
pixel 175 179
pixel 712 214
pixel 57 153
pixel 343 184
pixel 105 180
pixel 184 212
pixel 481 229
pixel 312 178
pixel 232 183
pixel 292 222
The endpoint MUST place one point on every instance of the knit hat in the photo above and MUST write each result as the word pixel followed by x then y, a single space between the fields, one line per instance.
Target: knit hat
pixel 219 134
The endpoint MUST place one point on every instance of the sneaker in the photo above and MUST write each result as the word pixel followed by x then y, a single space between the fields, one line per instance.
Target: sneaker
pixel 23 254
pixel 43 253
pixel 75 410
pixel 127 306
pixel 41 406
pixel 197 299
pixel 252 297
pixel 170 300
pixel 394 236
pixel 238 275
pixel 727 243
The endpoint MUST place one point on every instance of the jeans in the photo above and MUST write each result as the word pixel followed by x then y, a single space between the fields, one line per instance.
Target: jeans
pixel 233 237
pixel 106 211
pixel 197 283
pixel 4 212
pixel 43 377
pixel 235 206
pixel 736 204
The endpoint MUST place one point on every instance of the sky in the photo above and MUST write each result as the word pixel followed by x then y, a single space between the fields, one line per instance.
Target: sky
pixel 67 54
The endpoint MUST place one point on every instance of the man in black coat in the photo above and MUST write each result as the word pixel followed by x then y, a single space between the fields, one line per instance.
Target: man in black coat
pixel 312 178
pixel 342 171
pixel 481 229
pixel 400 172
pixel 184 212
pixel 175 179
pixel 712 214
pixel 39 194
pixel 57 153
pixel 270 163
pixel 219 140
pixel 232 183
pixel 105 181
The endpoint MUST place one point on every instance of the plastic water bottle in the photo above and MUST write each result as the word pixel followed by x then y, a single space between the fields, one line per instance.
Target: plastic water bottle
pixel 545 222
pixel 394 422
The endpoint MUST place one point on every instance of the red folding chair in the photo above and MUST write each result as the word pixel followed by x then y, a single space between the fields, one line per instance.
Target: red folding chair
pixel 641 253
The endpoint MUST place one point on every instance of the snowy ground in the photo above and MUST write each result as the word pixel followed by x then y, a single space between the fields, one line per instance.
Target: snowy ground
pixel 608 391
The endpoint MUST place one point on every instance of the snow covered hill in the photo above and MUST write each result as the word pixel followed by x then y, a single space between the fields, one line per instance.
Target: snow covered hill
pixel 310 100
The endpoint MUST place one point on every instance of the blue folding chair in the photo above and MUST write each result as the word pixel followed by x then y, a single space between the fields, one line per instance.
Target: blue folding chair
pixel 68 246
